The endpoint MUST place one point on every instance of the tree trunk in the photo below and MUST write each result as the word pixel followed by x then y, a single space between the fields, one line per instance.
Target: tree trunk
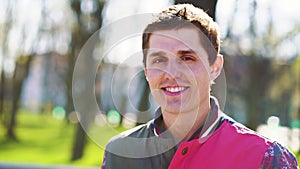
pixel 207 5
pixel 79 143
pixel 5 28
pixel 21 72
pixel 79 36
pixel 2 89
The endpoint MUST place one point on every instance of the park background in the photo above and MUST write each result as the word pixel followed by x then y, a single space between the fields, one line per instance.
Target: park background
pixel 40 41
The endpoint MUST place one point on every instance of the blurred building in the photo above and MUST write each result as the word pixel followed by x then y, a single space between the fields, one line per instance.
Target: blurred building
pixel 117 87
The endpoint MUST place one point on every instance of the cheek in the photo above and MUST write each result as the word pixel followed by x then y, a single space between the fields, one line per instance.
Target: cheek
pixel 153 76
pixel 201 79
pixel 199 72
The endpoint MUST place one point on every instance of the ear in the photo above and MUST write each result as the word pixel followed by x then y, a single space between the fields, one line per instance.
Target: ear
pixel 216 67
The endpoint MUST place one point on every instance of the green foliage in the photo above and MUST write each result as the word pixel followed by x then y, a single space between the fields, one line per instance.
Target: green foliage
pixel 42 139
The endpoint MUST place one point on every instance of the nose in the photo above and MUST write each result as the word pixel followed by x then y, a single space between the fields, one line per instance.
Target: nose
pixel 173 70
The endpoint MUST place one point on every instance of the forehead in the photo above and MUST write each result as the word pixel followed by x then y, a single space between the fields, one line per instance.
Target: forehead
pixel 175 39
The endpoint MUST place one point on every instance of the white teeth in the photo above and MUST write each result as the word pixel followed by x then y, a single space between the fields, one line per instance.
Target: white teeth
pixel 175 89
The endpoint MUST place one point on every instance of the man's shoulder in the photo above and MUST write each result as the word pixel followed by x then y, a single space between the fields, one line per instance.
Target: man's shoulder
pixel 125 141
pixel 139 131
pixel 275 155
pixel 138 142
pixel 242 132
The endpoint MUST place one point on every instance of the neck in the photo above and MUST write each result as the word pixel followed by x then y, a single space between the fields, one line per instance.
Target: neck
pixel 183 125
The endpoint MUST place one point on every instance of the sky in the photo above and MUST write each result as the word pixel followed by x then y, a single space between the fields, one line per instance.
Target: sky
pixel 284 13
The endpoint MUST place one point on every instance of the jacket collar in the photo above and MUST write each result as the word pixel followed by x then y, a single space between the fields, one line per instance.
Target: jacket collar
pixel 211 123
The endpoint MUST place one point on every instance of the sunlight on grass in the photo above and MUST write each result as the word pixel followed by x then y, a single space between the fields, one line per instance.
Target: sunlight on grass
pixel 42 139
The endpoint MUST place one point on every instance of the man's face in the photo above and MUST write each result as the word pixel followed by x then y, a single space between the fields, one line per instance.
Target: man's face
pixel 177 70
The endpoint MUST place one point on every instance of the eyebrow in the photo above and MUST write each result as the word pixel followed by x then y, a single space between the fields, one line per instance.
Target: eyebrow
pixel 181 52
pixel 184 52
pixel 159 53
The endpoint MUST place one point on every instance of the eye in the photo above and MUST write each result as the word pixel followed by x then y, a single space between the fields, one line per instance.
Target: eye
pixel 187 58
pixel 158 60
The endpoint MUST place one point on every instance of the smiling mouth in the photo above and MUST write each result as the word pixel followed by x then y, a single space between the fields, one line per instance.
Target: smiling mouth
pixel 174 90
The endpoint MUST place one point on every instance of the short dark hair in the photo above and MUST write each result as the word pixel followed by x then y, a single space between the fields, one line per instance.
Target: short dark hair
pixel 182 16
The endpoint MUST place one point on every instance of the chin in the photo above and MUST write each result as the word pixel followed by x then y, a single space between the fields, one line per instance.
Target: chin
pixel 178 108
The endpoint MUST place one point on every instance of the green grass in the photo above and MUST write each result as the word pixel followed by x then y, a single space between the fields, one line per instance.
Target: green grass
pixel 42 139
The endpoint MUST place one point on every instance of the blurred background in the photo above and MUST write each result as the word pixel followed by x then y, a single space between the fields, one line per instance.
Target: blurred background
pixel 40 41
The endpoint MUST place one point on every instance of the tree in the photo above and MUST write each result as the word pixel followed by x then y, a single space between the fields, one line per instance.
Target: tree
pixel 5 28
pixel 207 5
pixel 87 22
pixel 20 73
pixel 12 85
pixel 250 66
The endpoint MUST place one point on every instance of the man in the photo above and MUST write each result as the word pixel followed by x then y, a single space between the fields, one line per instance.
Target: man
pixel 181 58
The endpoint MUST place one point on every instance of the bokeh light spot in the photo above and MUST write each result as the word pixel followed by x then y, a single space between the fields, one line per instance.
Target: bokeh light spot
pixel 73 117
pixel 129 120
pixel 59 113
pixel 113 117
pixel 100 119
